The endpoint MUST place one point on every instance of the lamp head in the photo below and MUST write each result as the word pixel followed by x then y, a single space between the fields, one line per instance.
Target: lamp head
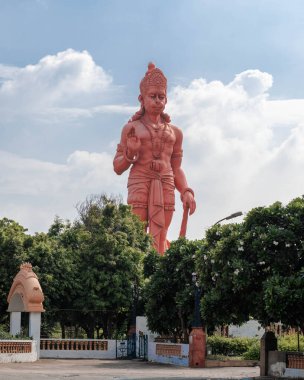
pixel 194 277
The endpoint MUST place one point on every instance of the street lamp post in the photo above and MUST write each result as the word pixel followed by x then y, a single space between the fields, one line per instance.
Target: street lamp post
pixel 131 346
pixel 197 338
pixel 134 304
pixel 197 296
pixel 232 216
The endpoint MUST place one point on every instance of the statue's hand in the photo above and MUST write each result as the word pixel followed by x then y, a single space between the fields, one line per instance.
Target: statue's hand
pixel 133 143
pixel 189 201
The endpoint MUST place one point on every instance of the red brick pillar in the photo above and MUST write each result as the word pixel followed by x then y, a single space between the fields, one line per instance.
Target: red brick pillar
pixel 197 348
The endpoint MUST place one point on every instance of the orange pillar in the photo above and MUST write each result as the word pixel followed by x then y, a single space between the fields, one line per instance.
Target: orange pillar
pixel 197 348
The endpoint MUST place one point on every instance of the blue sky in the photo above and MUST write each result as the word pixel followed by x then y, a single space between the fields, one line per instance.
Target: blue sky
pixel 188 39
pixel 69 75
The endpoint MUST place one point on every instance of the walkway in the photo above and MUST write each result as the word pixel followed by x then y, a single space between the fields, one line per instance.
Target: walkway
pixel 58 369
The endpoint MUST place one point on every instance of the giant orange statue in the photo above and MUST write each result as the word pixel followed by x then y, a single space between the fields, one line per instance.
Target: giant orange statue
pixel 153 148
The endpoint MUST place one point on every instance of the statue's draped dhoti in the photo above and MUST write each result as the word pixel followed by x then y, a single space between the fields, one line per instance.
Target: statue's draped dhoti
pixel 154 191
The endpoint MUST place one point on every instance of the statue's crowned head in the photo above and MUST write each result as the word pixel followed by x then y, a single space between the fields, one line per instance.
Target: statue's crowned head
pixel 153 77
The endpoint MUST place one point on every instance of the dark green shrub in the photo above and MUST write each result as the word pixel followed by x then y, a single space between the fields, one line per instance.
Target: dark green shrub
pixel 290 343
pixel 4 334
pixel 231 346
pixel 253 352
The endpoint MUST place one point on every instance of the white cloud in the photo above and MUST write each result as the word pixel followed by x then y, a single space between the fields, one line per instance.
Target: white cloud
pixel 33 191
pixel 69 82
pixel 62 113
pixel 242 150
pixel 56 77
pixel 253 82
pixel 42 107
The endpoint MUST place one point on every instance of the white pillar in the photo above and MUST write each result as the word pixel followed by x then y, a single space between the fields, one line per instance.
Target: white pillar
pixel 34 329
pixel 15 322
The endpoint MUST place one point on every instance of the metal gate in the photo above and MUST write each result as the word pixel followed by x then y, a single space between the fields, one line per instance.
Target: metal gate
pixel 131 345
pixel 130 348
pixel 126 347
pixel 143 347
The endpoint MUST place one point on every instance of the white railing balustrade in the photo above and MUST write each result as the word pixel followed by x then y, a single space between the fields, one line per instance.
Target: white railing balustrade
pixel 74 344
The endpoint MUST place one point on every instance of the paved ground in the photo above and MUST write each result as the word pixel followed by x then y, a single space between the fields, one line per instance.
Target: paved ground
pixel 58 369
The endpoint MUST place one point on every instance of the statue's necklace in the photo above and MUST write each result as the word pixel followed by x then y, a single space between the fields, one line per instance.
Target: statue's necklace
pixel 158 140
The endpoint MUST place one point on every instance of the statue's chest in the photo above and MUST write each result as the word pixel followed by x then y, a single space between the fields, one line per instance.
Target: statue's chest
pixel 157 139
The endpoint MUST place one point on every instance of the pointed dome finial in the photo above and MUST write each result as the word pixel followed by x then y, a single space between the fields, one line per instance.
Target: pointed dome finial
pixel 151 66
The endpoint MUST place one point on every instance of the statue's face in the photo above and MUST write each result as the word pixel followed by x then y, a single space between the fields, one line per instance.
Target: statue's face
pixel 154 100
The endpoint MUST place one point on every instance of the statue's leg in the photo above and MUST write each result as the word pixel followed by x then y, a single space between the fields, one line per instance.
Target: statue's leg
pixel 163 235
pixel 169 205
pixel 142 213
pixel 138 199
pixel 160 242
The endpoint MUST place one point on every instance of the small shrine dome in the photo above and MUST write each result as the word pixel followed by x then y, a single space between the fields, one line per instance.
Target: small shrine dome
pixel 26 294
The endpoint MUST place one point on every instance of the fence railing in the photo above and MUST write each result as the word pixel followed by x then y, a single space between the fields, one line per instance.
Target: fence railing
pixel 168 349
pixel 169 353
pixel 7 347
pixel 74 344
pixel 295 360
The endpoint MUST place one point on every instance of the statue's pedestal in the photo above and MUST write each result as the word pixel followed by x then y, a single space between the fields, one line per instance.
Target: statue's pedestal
pixel 197 348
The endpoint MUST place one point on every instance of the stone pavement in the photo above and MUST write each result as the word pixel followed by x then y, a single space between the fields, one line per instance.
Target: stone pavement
pixel 59 369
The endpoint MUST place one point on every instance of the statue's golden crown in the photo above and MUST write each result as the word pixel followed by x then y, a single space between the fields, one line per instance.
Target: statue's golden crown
pixel 153 77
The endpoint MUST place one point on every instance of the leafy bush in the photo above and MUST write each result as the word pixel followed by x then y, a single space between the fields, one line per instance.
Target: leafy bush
pixel 5 335
pixel 290 343
pixel 249 348
pixel 223 357
pixel 253 352
pixel 235 346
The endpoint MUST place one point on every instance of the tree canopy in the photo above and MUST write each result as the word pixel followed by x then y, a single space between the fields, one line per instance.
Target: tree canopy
pixel 111 258
pixel 87 269
pixel 95 269
pixel 13 243
pixel 255 269
pixel 169 293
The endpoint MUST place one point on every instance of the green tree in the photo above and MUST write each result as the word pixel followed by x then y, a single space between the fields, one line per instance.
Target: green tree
pixel 284 292
pixel 13 243
pixel 273 242
pixel 169 292
pixel 283 297
pixel 111 254
pixel 225 277
pixel 255 268
pixel 55 260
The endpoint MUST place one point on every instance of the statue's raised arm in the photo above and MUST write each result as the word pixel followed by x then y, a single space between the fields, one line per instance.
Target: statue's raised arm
pixel 152 147
pixel 128 150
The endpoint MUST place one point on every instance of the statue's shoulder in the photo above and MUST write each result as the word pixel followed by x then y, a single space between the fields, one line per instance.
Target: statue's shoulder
pixel 131 124
pixel 176 130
